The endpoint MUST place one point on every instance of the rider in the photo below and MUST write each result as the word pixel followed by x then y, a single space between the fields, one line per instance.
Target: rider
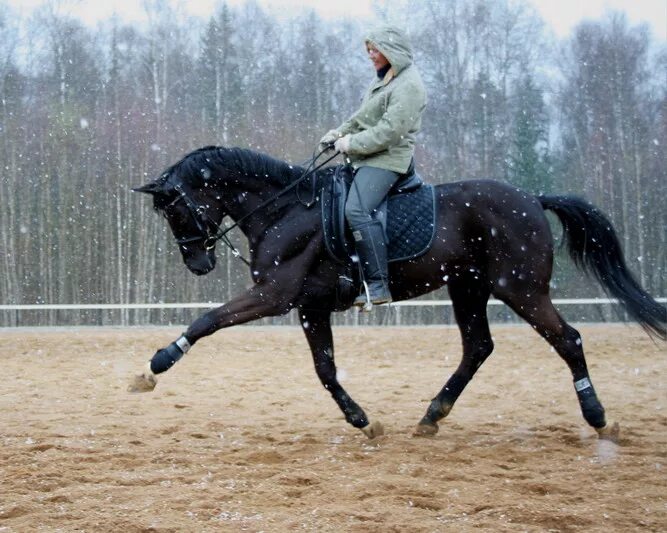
pixel 379 141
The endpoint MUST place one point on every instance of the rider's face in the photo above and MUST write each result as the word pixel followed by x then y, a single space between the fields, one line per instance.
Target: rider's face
pixel 376 57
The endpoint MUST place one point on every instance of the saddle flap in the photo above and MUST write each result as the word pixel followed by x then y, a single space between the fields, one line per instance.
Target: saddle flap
pixel 334 194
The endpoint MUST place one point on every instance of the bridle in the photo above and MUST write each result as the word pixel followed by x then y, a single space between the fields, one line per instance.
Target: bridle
pixel 210 231
pixel 206 226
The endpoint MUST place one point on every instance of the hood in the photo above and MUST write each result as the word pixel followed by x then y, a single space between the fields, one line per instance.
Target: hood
pixel 394 45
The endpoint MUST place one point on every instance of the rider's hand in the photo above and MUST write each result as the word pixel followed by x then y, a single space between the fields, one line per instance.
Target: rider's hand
pixel 342 145
pixel 327 141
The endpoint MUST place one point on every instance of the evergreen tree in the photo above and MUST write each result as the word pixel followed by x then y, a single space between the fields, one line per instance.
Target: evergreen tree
pixel 487 131
pixel 529 165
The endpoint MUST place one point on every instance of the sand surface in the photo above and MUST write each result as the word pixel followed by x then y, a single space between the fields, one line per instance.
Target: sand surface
pixel 241 436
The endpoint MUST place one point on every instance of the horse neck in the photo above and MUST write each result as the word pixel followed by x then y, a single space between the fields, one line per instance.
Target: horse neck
pixel 249 180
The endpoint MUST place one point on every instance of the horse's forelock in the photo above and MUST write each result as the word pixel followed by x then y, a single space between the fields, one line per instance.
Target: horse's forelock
pixel 162 192
pixel 194 167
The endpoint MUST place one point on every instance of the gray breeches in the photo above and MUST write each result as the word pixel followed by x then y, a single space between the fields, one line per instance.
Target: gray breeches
pixel 370 186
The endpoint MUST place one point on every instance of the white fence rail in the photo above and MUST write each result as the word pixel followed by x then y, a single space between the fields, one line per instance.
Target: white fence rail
pixel 209 305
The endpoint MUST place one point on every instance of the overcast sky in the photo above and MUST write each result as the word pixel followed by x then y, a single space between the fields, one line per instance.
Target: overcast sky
pixel 561 15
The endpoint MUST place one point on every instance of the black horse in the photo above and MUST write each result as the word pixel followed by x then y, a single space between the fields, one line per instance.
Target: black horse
pixel 491 239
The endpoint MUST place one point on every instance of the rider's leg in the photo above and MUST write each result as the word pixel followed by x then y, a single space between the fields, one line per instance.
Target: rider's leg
pixel 369 188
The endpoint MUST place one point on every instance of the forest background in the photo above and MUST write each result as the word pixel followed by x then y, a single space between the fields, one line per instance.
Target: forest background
pixel 88 113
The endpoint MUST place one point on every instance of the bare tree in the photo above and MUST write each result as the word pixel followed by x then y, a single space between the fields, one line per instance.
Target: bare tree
pixel 608 123
pixel 85 115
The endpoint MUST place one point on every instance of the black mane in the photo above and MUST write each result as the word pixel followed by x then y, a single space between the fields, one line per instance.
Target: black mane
pixel 243 162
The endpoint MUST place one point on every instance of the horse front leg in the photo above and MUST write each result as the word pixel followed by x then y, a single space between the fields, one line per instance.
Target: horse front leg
pixel 257 302
pixel 317 328
pixel 275 290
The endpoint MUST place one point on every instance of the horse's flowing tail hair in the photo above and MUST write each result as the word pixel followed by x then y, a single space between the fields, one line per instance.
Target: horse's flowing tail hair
pixel 594 247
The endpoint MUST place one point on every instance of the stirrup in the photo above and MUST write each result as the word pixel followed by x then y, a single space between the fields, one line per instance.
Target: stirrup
pixel 362 300
pixel 366 303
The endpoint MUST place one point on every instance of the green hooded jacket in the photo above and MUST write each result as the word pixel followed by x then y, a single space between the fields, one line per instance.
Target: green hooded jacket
pixel 382 131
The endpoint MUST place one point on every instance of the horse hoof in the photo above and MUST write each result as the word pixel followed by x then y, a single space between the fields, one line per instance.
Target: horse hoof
pixel 373 430
pixel 144 382
pixel 425 430
pixel 610 432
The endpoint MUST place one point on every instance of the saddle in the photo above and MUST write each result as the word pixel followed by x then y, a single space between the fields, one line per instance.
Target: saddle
pixel 407 215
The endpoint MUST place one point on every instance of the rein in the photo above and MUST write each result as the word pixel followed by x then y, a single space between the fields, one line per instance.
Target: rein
pixel 204 223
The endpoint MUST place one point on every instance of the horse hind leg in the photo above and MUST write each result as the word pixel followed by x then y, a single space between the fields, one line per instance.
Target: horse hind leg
pixel 469 304
pixel 539 312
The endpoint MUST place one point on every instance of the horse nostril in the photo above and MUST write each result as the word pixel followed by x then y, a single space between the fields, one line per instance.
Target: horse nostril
pixel 201 266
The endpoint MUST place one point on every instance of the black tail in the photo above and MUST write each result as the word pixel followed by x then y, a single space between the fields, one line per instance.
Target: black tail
pixel 594 247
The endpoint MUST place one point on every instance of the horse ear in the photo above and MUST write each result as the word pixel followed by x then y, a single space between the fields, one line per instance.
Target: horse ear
pixel 153 187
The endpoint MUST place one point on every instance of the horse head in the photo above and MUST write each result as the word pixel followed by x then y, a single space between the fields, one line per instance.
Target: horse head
pixel 193 214
pixel 197 192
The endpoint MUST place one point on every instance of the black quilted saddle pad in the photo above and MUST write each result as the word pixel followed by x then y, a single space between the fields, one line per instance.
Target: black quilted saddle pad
pixel 410 223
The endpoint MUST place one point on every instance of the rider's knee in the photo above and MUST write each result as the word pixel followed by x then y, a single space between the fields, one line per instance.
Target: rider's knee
pixel 355 215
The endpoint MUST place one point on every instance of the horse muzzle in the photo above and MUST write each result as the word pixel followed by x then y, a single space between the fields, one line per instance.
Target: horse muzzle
pixel 202 264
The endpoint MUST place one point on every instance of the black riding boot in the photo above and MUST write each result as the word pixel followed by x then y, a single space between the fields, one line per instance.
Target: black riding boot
pixel 371 248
